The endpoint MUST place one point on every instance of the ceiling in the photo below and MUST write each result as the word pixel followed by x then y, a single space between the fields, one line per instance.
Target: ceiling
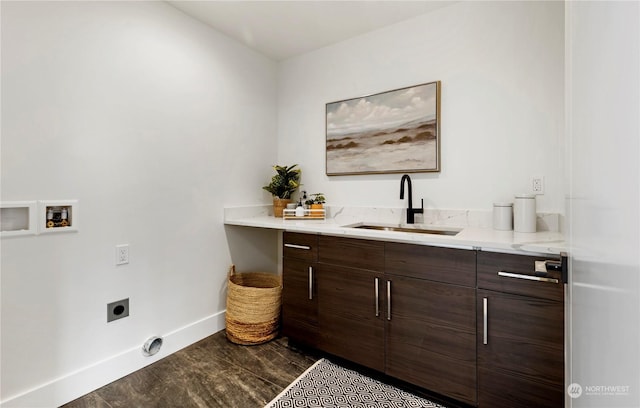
pixel 283 29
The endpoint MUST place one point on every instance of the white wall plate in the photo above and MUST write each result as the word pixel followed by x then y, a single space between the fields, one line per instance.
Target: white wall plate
pixel 18 218
pixel 58 216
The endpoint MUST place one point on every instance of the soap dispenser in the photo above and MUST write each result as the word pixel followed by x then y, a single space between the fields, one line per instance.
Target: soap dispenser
pixel 300 209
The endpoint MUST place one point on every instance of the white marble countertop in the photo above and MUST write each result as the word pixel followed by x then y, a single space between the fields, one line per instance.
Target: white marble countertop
pixel 470 236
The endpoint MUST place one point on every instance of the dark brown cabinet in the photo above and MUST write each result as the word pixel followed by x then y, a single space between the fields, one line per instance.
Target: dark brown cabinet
pixel 479 327
pixel 299 295
pixel 349 274
pixel 349 326
pixel 431 330
pixel 520 333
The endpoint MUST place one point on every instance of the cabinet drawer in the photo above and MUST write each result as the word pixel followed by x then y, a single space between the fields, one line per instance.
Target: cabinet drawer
pixel 516 274
pixel 447 265
pixel 300 246
pixel 355 253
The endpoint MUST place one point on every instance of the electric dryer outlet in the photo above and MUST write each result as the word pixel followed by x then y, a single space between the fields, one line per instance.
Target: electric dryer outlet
pixel 117 310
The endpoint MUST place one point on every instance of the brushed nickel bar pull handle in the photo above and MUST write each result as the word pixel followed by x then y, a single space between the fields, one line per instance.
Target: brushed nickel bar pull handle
pixel 485 318
pixel 311 283
pixel 388 300
pixel 377 290
pixel 527 277
pixel 294 246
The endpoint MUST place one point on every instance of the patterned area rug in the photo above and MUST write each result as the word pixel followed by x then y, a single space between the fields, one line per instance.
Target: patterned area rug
pixel 327 385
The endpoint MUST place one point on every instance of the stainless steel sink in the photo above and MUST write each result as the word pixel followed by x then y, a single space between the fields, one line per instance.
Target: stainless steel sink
pixel 407 228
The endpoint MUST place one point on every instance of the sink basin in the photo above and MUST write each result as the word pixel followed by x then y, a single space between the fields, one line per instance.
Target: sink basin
pixel 407 228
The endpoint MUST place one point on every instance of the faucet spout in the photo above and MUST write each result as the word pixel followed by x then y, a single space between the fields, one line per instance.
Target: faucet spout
pixel 411 212
pixel 408 179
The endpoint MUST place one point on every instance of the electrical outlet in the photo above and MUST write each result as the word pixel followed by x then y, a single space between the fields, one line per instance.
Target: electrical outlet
pixel 537 185
pixel 122 254
pixel 117 310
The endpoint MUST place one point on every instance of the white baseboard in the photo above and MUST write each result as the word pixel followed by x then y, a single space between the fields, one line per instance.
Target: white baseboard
pixel 78 383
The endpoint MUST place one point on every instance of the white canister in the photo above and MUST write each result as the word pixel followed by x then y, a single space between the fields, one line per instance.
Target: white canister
pixel 503 216
pixel 524 213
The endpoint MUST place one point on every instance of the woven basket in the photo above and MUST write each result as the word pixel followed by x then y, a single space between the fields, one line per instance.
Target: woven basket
pixel 253 307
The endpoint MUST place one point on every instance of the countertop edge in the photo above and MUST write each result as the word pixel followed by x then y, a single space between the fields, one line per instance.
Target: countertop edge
pixel 485 239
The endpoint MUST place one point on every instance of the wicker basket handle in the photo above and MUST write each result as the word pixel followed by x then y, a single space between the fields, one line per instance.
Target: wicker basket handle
pixel 232 271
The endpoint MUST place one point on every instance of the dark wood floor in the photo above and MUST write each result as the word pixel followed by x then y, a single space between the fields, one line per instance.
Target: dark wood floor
pixel 210 373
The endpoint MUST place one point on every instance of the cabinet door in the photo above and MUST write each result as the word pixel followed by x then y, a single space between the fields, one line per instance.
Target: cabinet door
pixel 348 322
pixel 431 336
pixel 299 301
pixel 520 351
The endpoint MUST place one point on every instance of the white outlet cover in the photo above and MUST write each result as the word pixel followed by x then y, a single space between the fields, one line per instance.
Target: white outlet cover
pixel 537 185
pixel 122 254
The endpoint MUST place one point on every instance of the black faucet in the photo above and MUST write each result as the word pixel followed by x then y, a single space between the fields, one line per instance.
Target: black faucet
pixel 411 212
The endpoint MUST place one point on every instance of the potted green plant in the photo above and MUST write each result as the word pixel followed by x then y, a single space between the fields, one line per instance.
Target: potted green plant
pixel 282 186
pixel 316 203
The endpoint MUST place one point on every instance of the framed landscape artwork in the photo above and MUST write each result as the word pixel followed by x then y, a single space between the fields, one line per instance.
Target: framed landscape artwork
pixel 390 132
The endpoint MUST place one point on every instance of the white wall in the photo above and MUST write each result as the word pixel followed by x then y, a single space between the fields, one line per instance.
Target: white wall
pixel 603 156
pixel 154 122
pixel 501 67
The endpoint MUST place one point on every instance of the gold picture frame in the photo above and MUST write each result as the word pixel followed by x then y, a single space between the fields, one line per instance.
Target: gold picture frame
pixel 395 131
